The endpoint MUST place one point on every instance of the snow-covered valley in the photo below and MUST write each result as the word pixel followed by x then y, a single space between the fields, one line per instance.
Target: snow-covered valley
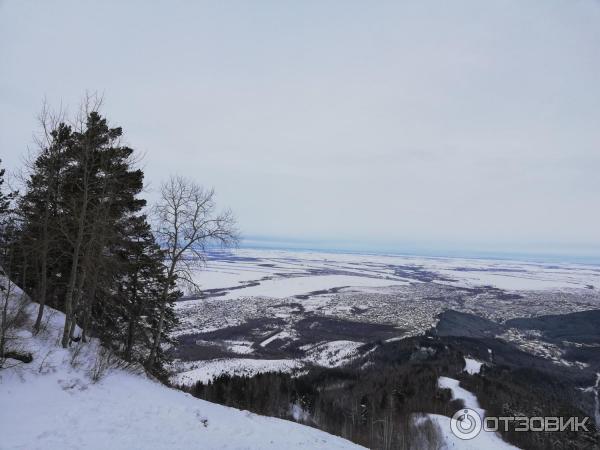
pixel 262 310
pixel 291 311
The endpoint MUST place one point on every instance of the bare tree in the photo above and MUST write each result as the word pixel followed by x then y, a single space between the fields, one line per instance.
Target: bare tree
pixel 187 222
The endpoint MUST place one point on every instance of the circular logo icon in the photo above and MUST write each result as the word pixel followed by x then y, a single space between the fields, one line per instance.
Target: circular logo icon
pixel 465 424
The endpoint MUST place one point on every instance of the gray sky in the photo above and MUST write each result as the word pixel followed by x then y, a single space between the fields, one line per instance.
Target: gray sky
pixel 463 124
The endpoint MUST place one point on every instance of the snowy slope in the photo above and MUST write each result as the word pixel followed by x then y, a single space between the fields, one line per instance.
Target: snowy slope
pixel 484 440
pixel 472 366
pixel 325 354
pixel 52 403
pixel 123 411
pixel 192 372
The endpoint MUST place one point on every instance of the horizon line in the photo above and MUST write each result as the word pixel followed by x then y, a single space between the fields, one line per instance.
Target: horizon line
pixel 531 255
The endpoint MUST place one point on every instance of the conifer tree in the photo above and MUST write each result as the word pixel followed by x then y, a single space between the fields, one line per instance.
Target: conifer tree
pixel 100 189
pixel 84 245
pixel 140 290
pixel 39 209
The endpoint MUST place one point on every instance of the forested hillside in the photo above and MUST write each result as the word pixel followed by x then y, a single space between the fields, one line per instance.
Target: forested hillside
pixel 78 236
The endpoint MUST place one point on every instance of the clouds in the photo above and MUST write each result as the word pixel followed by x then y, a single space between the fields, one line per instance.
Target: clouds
pixel 463 123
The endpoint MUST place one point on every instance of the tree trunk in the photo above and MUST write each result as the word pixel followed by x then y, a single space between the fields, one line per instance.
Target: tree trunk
pixel 77 303
pixel 43 288
pixel 23 357
pixel 4 320
pixel 73 276
pixel 136 312
pixel 69 294
pixel 158 332
pixel 161 319
pixel 3 328
pixel 87 312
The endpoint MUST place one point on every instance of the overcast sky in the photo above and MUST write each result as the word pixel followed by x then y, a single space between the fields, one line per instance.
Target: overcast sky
pixel 450 125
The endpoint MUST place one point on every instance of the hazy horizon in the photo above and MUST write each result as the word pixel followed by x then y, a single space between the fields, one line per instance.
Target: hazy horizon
pixel 462 127
pixel 575 256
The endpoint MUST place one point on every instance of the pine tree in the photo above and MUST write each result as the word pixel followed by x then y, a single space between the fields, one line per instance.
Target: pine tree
pixel 84 246
pixel 39 209
pixel 100 189
pixel 140 290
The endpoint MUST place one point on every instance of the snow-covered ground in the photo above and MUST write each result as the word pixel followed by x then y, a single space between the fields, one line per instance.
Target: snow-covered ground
pixel 484 440
pixel 53 403
pixel 285 273
pixel 64 410
pixel 281 287
pixel 190 373
pixel 472 366
pixel 332 353
pixel 326 354
pixel 280 335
